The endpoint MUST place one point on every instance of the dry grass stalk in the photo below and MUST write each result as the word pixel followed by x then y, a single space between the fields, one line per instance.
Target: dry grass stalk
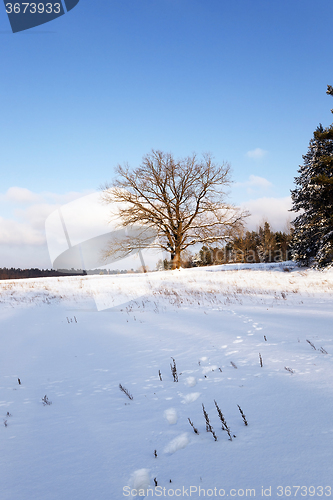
pixel 125 391
pixel 209 428
pixel 194 428
pixel 223 421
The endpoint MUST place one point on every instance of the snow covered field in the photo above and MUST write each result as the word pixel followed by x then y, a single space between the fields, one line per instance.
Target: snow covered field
pixel 60 337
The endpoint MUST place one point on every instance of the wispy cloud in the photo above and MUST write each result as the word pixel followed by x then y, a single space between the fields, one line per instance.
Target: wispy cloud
pixel 256 154
pixel 274 210
pixel 258 182
pixel 255 184
pixel 22 221
pixel 20 195
pixel 13 232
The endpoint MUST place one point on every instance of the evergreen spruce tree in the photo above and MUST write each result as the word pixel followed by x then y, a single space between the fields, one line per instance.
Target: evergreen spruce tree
pixel 313 197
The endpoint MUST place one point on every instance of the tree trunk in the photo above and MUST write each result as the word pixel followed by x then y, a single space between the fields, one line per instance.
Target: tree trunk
pixel 175 259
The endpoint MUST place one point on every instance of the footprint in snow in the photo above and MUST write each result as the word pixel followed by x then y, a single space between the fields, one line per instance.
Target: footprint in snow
pixel 140 480
pixel 177 444
pixel 208 369
pixel 171 416
pixel 190 381
pixel 190 398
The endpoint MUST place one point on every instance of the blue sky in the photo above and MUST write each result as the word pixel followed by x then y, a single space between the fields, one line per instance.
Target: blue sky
pixel 110 80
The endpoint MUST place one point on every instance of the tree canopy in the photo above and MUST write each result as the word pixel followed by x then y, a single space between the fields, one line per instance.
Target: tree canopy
pixel 313 200
pixel 183 201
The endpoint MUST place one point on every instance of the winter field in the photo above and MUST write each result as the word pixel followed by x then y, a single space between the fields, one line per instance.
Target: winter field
pixel 74 340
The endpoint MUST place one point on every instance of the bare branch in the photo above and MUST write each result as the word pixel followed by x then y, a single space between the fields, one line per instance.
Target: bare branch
pixel 182 202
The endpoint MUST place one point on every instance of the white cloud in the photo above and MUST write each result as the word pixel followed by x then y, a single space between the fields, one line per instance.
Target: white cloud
pixel 16 233
pixel 25 256
pixel 260 182
pixel 36 214
pixel 20 195
pixel 22 225
pixel 255 184
pixel 256 154
pixel 274 210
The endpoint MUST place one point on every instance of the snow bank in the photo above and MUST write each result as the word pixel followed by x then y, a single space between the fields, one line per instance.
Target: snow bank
pixel 206 286
pixel 56 342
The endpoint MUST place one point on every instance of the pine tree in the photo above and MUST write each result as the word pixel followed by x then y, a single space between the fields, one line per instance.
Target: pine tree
pixel 266 246
pixel 313 197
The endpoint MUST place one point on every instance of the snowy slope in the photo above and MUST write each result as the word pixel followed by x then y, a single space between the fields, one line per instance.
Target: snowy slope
pixel 94 442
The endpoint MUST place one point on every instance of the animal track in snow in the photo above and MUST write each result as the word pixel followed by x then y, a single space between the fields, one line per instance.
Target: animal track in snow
pixel 140 480
pixel 190 398
pixel 190 381
pixel 177 444
pixel 208 369
pixel 171 416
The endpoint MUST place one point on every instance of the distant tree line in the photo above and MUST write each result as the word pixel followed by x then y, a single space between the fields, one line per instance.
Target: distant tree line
pixel 263 245
pixel 13 274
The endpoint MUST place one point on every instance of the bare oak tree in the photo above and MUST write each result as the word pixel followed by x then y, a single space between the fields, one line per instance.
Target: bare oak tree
pixel 182 202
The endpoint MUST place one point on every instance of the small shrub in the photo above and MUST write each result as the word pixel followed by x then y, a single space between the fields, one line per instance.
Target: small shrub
pixel 46 401
pixel 260 359
pixel 233 364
